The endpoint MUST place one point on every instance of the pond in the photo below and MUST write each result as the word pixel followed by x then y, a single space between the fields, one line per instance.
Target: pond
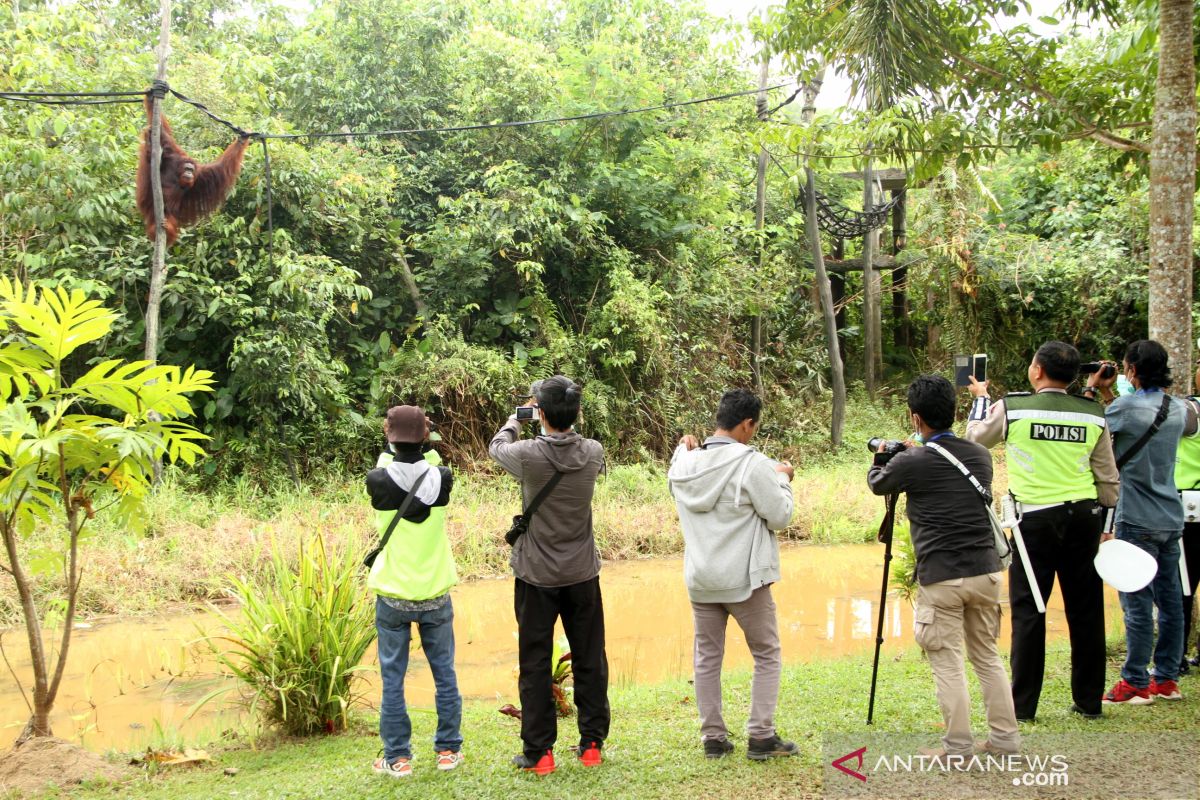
pixel 130 682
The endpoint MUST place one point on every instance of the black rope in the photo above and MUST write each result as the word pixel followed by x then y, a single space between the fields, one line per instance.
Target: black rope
pixel 270 215
pixel 522 123
pixel 245 134
pixel 71 98
pixel 790 98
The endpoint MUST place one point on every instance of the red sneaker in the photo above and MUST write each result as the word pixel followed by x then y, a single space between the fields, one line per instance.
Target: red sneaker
pixel 1164 690
pixel 1122 692
pixel 590 756
pixel 543 766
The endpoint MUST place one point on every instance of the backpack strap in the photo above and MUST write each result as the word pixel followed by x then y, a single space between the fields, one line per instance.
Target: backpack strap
pixel 532 508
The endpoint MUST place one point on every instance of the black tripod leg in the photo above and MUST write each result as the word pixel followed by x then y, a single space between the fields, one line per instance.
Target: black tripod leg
pixel 887 564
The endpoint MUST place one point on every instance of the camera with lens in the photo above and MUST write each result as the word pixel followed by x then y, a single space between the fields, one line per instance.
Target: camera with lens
pixel 1106 370
pixel 890 446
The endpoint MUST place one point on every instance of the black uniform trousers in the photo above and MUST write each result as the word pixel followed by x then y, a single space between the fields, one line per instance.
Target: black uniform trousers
pixel 1191 557
pixel 1061 541
pixel 582 612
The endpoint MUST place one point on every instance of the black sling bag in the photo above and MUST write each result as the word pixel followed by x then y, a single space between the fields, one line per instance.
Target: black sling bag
pixel 369 558
pixel 521 521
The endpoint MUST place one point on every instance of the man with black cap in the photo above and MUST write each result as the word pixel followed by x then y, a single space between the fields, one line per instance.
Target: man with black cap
pixel 411 575
pixel 557 573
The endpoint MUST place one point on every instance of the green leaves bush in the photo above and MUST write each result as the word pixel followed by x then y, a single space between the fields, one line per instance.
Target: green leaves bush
pixel 298 642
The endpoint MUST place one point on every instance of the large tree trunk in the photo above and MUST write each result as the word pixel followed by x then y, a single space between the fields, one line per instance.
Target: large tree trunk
pixel 824 289
pixel 39 722
pixel 1173 189
pixel 872 296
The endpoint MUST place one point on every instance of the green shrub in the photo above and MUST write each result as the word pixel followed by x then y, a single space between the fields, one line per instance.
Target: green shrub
pixel 301 634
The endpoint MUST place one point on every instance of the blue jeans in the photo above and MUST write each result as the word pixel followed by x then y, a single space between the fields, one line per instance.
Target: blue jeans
pixel 1165 592
pixel 437 640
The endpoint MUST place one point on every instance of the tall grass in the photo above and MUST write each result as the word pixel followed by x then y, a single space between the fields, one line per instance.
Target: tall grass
pixel 302 632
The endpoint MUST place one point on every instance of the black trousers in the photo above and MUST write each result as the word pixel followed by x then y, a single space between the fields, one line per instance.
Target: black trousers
pixel 582 612
pixel 1061 541
pixel 1191 556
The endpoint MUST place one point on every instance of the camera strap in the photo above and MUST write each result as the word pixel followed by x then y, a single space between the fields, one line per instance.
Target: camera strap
pixel 408 501
pixel 1159 419
pixel 986 496
pixel 532 508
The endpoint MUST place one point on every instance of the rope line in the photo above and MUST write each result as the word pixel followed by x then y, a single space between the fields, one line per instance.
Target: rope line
pixel 64 98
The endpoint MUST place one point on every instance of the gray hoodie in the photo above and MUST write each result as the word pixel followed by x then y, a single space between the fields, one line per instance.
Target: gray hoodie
pixel 559 548
pixel 730 499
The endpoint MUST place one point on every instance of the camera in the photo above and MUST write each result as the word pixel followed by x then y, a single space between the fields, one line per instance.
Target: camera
pixel 1106 370
pixel 525 413
pixel 890 446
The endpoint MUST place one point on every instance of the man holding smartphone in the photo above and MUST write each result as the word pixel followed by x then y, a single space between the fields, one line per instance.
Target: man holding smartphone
pixel 557 571
pixel 1062 475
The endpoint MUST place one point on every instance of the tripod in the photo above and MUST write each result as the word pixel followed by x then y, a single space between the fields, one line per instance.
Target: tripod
pixel 886 529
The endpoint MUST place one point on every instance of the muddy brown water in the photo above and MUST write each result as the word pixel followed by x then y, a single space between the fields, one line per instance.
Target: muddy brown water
pixel 130 683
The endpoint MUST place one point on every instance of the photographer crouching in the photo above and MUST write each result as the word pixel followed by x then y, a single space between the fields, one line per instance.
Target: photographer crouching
pixel 958 566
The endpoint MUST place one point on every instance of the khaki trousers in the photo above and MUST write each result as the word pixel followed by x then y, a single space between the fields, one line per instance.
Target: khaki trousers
pixel 756 617
pixel 948 613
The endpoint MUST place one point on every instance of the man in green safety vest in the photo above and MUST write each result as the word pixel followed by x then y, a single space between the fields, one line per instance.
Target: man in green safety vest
pixel 1187 480
pixel 1062 475
pixel 411 577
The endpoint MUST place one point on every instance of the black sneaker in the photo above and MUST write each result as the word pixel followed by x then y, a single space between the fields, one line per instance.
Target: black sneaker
pixel 772 747
pixel 1075 709
pixel 717 748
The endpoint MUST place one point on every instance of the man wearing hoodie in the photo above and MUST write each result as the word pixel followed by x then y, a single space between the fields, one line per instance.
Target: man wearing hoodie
pixel 731 498
pixel 557 573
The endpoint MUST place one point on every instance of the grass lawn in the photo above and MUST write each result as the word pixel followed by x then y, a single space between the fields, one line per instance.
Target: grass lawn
pixel 653 750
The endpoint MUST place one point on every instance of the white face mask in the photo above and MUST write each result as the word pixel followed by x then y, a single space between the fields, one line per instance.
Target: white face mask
pixel 544 431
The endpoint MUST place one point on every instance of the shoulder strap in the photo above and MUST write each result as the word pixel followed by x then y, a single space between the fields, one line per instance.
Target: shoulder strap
pixel 532 508
pixel 412 492
pixel 984 493
pixel 1159 418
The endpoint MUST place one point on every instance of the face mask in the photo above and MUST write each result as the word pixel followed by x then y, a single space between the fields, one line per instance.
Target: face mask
pixel 544 431
pixel 918 438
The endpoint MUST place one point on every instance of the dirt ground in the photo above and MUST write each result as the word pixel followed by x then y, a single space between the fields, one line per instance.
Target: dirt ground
pixel 41 763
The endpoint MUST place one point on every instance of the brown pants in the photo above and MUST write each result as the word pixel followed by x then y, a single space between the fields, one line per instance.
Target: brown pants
pixel 947 613
pixel 756 617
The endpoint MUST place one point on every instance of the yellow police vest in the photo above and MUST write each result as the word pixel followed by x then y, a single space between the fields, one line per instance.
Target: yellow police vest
pixel 417 563
pixel 1187 460
pixel 1050 438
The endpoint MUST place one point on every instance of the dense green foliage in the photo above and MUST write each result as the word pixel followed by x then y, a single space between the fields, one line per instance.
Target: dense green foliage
pixel 620 251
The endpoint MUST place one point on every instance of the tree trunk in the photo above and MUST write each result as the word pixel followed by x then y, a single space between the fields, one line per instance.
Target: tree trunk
pixel 760 220
pixel 902 327
pixel 410 283
pixel 39 722
pixel 824 289
pixel 1173 189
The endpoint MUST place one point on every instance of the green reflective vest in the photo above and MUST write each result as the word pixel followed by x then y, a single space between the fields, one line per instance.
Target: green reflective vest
pixel 417 563
pixel 1050 439
pixel 1187 460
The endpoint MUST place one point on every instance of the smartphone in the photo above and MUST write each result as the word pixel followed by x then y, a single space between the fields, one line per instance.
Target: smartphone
pixel 966 366
pixel 524 413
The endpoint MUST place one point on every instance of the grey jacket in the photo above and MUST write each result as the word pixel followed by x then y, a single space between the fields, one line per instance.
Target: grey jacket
pixel 730 500
pixel 559 548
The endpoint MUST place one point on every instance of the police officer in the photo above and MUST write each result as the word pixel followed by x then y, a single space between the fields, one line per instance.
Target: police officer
pixel 1062 475
pixel 1187 479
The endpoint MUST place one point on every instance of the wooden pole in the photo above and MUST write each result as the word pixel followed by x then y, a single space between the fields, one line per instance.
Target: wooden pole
pixel 837 282
pixel 760 219
pixel 902 331
pixel 824 290
pixel 158 268
pixel 872 289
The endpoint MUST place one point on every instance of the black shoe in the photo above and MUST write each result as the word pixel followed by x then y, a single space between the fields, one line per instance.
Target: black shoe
pixel 1075 709
pixel 717 748
pixel 1026 719
pixel 1184 668
pixel 1195 660
pixel 772 747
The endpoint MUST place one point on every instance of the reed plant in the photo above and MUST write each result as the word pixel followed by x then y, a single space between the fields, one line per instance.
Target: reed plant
pixel 298 640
